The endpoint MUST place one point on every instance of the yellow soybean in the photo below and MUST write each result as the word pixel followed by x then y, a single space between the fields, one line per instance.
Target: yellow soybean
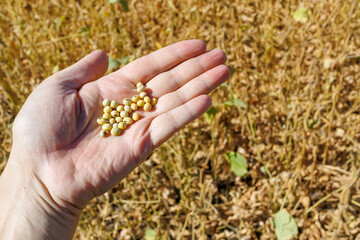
pixel 147 107
pixel 112 121
pixel 101 121
pixel 134 106
pixel 106 116
pixel 106 102
pixel 135 116
pixel 142 95
pixel 120 108
pixel 122 125
pixel 153 101
pixel 106 127
pixel 140 88
pixel 103 133
pixel 135 98
pixel 128 109
pixel 140 103
pixel 113 104
pixel 107 109
pixel 124 114
pixel 127 101
pixel 128 120
pixel 115 131
pixel 115 113
pixel 147 99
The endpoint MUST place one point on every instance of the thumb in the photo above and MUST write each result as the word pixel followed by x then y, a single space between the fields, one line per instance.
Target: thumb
pixel 88 69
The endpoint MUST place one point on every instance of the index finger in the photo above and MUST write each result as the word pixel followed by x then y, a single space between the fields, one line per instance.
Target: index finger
pixel 147 67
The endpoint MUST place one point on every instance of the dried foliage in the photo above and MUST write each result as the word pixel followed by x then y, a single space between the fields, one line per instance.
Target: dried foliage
pixel 299 130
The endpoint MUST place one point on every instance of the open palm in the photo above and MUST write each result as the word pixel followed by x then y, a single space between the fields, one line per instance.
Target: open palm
pixel 56 135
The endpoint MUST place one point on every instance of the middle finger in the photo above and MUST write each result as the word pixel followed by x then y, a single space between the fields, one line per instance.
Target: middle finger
pixel 178 76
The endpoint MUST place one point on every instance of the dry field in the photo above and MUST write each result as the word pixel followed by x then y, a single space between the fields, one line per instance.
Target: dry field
pixel 290 108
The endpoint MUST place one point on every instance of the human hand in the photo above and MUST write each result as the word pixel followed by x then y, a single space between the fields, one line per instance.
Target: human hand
pixel 56 138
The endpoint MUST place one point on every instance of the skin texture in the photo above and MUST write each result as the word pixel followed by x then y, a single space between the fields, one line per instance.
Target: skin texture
pixel 59 159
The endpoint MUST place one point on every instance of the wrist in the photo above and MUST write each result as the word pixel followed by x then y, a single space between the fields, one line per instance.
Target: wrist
pixel 26 204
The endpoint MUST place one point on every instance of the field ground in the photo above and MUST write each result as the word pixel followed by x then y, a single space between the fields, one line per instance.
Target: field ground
pixel 290 108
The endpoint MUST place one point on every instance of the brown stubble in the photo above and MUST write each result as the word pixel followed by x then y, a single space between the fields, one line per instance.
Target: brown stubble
pixel 300 82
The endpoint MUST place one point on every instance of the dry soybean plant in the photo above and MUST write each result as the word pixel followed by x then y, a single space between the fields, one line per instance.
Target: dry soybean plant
pixel 289 115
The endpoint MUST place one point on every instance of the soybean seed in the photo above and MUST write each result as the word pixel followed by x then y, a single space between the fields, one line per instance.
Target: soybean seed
pixel 106 116
pixel 140 88
pixel 134 106
pixel 113 104
pixel 103 133
pixel 119 108
pixel 147 107
pixel 122 125
pixel 115 113
pixel 139 84
pixel 128 120
pixel 101 121
pixel 112 121
pixel 147 99
pixel 135 116
pixel 142 94
pixel 106 102
pixel 115 125
pixel 153 101
pixel 118 119
pixel 106 127
pixel 124 114
pixel 127 101
pixel 115 131
pixel 107 109
pixel 135 98
pixel 128 109
pixel 140 103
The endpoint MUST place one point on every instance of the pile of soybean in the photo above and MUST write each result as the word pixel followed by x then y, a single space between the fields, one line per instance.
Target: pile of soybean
pixel 117 117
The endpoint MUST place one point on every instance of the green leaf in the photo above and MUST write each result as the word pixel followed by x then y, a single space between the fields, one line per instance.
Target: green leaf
pixel 55 69
pixel 236 102
pixel 58 21
pixel 238 163
pixel 150 234
pixel 240 104
pixel 84 31
pixel 244 27
pixel 113 63
pixel 122 2
pixel 229 103
pixel 125 60
pixel 232 70
pixel 210 114
pixel 124 5
pixel 311 123
pixel 302 15
pixel 285 225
